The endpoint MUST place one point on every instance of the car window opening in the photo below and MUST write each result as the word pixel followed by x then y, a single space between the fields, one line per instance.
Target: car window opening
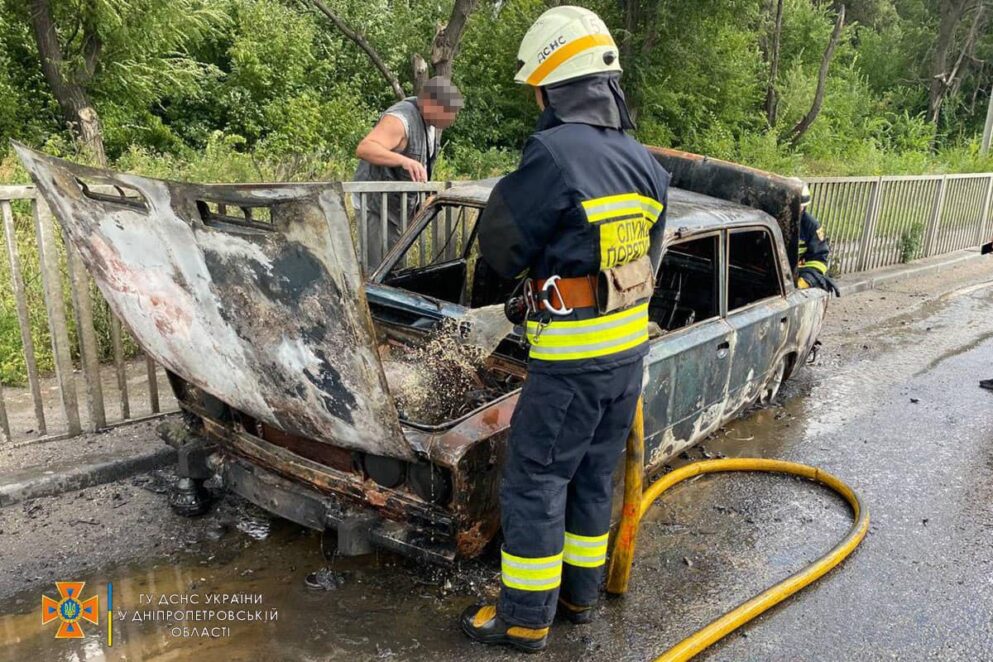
pixel 752 273
pixel 443 261
pixel 687 288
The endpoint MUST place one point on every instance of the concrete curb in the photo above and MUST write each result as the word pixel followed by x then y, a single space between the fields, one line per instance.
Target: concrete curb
pixel 860 282
pixel 41 481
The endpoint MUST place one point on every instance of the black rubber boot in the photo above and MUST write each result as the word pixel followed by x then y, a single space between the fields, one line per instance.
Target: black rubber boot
pixel 986 383
pixel 481 623
pixel 575 614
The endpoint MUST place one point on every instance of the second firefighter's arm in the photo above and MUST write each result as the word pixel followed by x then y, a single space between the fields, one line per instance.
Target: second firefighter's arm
pixel 814 246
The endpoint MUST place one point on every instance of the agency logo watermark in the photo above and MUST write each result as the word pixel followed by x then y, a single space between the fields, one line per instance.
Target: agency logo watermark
pixel 71 609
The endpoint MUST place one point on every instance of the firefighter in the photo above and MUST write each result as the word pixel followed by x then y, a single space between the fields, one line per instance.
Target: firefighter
pixel 584 210
pixel 814 249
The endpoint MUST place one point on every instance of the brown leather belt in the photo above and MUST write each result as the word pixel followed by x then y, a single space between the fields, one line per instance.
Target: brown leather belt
pixel 560 294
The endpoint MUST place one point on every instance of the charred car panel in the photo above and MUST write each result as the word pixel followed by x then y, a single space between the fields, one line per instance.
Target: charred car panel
pixel 269 317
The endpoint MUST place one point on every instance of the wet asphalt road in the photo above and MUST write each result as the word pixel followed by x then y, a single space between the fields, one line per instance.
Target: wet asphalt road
pixel 893 409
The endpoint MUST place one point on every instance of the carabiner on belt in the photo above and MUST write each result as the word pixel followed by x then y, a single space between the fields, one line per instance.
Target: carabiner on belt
pixel 551 286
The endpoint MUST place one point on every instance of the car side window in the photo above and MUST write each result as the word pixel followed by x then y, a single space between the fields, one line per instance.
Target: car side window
pixel 687 287
pixel 752 272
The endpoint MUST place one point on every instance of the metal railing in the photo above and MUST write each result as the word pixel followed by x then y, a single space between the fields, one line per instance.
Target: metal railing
pixel 48 300
pixel 391 195
pixel 881 221
pixel 49 303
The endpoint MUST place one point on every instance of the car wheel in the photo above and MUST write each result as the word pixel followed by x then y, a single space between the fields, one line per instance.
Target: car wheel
pixel 771 388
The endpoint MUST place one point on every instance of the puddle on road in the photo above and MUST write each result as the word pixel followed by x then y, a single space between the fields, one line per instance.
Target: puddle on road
pixel 387 608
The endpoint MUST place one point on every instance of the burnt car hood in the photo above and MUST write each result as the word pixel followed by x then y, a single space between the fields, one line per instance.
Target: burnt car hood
pixel 269 317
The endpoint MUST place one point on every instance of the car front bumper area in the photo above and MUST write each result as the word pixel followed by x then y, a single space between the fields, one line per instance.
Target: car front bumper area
pixel 358 529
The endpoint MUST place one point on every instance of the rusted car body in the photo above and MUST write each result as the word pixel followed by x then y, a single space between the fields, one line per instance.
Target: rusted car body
pixel 252 298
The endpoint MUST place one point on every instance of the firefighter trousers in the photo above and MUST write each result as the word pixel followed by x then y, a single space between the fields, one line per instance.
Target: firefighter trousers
pixel 566 437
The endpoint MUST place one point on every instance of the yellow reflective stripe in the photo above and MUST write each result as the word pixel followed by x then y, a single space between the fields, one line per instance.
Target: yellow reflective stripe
pixel 571 332
pixel 816 265
pixel 586 541
pixel 600 336
pixel 531 574
pixel 579 339
pixel 574 47
pixel 625 204
pixel 585 551
pixel 593 324
pixel 539 353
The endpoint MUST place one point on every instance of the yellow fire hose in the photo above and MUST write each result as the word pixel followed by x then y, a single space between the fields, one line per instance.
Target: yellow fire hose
pixel 637 502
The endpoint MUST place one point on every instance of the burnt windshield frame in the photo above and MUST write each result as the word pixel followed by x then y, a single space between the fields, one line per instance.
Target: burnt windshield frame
pixel 428 212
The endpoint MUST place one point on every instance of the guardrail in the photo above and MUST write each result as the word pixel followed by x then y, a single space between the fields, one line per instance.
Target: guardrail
pixel 880 221
pixel 49 303
pixel 391 195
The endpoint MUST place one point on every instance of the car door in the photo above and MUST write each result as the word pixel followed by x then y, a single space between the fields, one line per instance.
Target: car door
pixel 687 367
pixel 757 311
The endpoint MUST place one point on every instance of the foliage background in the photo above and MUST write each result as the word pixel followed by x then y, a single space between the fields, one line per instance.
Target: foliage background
pixel 248 90
pixel 268 89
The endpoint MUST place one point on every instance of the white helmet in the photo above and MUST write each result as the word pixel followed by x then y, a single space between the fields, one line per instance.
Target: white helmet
pixel 565 43
pixel 805 193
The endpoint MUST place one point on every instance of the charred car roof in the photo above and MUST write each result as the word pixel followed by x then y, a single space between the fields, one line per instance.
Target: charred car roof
pixel 689 212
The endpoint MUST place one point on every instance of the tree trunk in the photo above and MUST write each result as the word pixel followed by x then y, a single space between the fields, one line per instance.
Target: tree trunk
pixel 632 18
pixel 984 147
pixel 77 111
pixel 420 69
pixel 771 102
pixel 448 38
pixel 954 80
pixel 951 12
pixel 362 43
pixel 815 108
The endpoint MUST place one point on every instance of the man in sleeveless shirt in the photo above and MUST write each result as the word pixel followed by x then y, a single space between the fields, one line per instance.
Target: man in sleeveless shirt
pixel 402 147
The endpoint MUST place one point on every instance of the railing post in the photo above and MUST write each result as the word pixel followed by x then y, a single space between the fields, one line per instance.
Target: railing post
pixel 23 316
pixel 869 226
pixel 931 232
pixel 117 345
pixel 4 423
pixel 363 233
pixel 153 384
pixel 51 280
pixel 982 230
pixel 384 227
pixel 79 286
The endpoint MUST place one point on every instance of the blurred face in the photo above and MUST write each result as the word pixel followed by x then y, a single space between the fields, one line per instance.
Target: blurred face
pixel 436 114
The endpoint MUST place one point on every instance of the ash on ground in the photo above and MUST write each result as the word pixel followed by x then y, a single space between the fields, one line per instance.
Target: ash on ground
pixel 440 380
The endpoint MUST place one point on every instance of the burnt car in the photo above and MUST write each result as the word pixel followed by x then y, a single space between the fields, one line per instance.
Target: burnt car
pixel 282 351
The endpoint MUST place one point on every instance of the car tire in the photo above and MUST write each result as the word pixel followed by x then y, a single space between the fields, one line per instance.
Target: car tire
pixel 771 388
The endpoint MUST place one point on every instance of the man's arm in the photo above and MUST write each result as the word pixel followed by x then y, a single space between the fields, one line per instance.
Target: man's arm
pixel 379 144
